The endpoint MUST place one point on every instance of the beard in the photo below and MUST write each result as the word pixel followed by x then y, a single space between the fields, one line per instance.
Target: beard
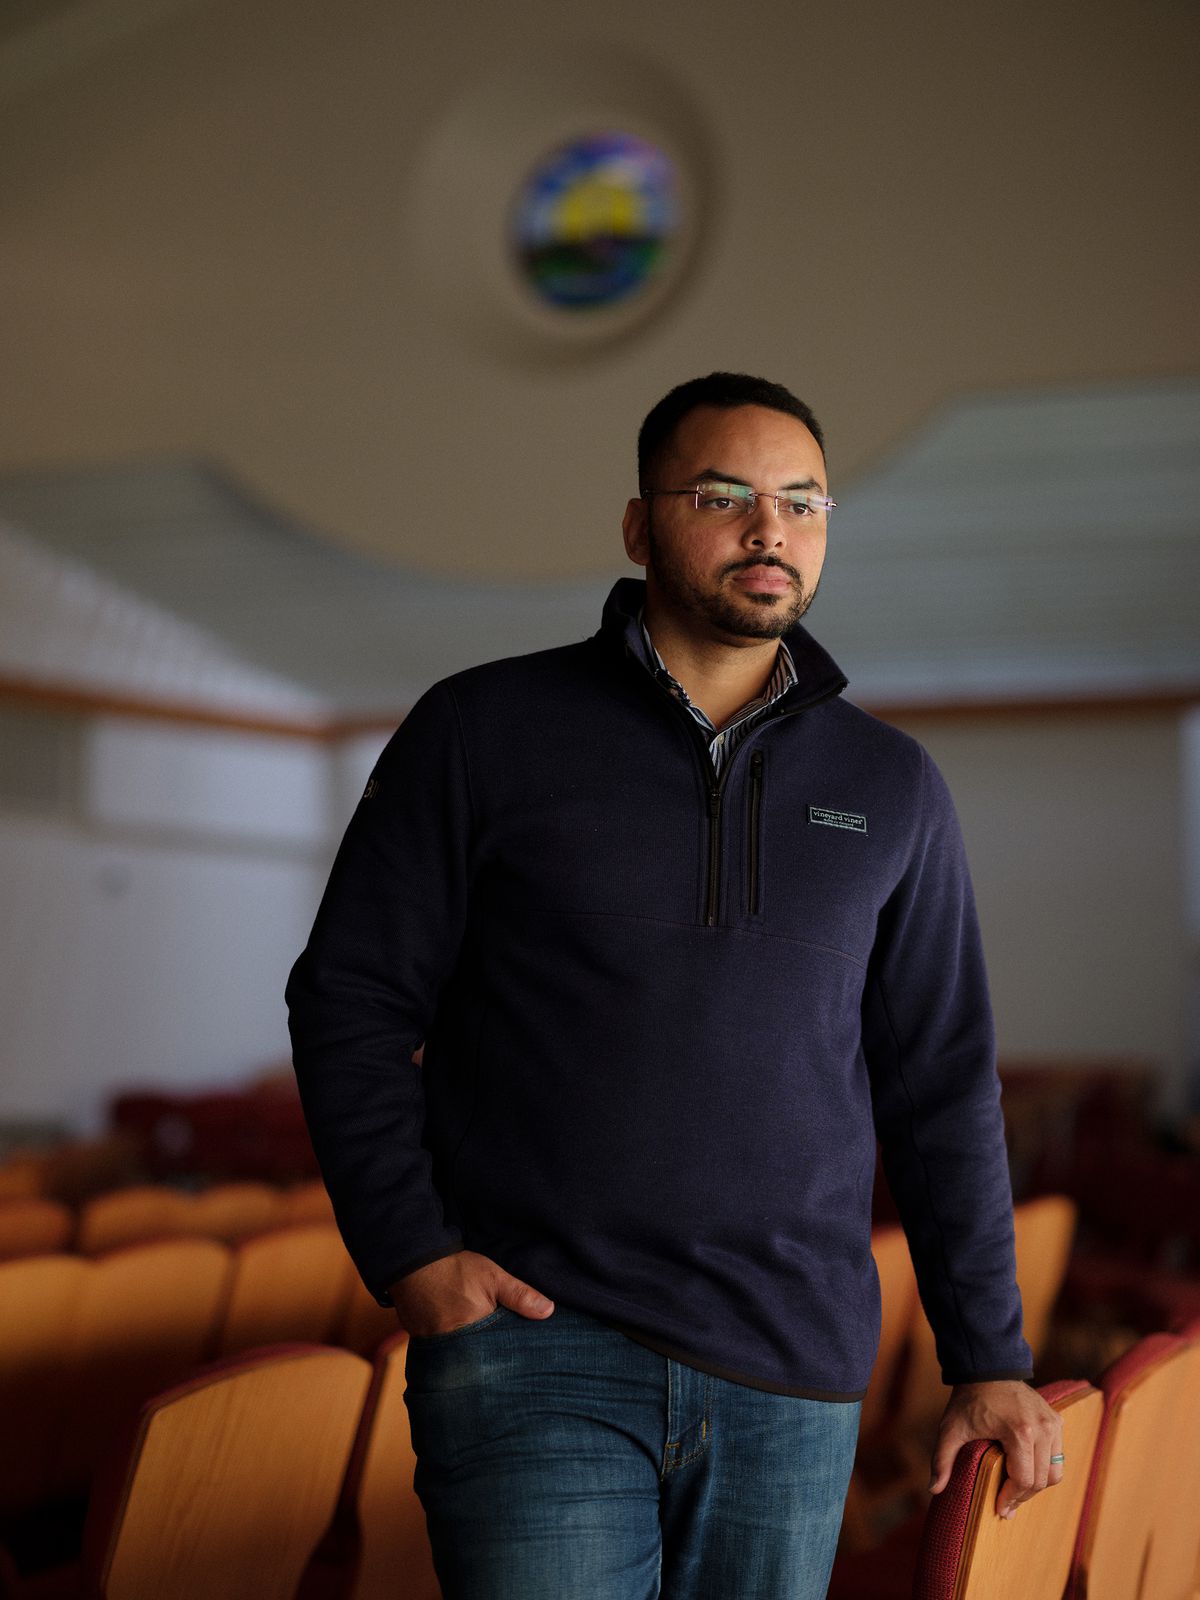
pixel 744 616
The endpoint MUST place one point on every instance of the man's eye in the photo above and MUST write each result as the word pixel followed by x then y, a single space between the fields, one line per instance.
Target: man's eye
pixel 799 508
pixel 717 502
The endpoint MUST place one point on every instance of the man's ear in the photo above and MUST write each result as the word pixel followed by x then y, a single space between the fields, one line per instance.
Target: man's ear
pixel 634 526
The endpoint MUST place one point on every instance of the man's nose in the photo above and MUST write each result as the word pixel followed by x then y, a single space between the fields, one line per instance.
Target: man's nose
pixel 764 526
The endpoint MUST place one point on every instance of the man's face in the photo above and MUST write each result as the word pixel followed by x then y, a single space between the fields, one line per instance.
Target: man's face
pixel 750 578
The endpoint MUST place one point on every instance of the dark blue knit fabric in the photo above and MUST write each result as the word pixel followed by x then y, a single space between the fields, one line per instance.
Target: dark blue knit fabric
pixel 665 1018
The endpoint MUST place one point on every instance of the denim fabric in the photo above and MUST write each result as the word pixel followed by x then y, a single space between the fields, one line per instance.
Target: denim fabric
pixel 559 1460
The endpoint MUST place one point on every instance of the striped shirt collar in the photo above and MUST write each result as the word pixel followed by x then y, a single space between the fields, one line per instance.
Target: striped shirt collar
pixel 721 742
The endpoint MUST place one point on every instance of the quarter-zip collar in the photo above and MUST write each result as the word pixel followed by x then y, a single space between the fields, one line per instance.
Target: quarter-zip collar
pixel 818 676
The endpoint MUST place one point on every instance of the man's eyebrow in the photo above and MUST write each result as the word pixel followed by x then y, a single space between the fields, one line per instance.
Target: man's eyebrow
pixel 715 475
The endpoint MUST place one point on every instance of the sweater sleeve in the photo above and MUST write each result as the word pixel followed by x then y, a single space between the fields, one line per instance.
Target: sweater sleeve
pixel 363 993
pixel 928 1038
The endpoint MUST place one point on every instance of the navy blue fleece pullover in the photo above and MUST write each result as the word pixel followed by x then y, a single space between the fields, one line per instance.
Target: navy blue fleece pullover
pixel 665 1018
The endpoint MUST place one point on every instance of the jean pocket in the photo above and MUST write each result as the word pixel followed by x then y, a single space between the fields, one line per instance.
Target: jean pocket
pixel 496 1315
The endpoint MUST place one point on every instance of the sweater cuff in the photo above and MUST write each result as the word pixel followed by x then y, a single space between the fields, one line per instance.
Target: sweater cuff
pixel 414 1264
pixel 1011 1374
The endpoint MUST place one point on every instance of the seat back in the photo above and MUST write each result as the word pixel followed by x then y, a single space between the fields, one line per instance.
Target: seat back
pixel 1174 1564
pixel 1044 1229
pixel 39 1297
pixel 379 1488
pixel 291 1284
pixel 145 1317
pixel 969 1553
pixel 365 1324
pixel 134 1215
pixel 1138 1536
pixel 34 1227
pixel 235 1211
pixel 898 1298
pixel 22 1177
pixel 305 1202
pixel 229 1481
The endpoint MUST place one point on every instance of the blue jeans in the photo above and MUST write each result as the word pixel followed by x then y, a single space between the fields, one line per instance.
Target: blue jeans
pixel 559 1460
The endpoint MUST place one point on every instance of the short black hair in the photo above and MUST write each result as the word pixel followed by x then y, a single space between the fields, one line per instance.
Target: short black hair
pixel 724 389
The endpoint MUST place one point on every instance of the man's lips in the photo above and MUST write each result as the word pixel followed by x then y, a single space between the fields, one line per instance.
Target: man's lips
pixel 763 580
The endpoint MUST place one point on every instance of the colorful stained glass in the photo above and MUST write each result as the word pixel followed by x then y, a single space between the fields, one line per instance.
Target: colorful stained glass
pixel 596 219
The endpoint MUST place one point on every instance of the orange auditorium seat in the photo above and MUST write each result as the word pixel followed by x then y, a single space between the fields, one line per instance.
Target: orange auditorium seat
pixel 294 1283
pixel 394 1559
pixel 145 1316
pixel 134 1215
pixel 305 1202
pixel 377 1548
pixel 39 1299
pixel 234 1211
pixel 366 1324
pixel 1140 1534
pixel 969 1553
pixel 34 1227
pixel 229 1481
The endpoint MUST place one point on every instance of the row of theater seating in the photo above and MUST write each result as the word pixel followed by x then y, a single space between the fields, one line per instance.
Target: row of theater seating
pixel 314 1496
pixel 138 1213
pixel 1122 1525
pixel 255 1132
pixel 84 1341
pixel 284 1470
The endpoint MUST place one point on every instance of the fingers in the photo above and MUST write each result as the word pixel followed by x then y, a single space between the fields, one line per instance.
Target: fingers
pixel 950 1441
pixel 1020 1459
pixel 521 1297
pixel 1028 1453
pixel 1027 1429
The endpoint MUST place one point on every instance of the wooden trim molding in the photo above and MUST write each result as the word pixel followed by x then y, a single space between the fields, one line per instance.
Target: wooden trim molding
pixel 74 699
pixel 1136 702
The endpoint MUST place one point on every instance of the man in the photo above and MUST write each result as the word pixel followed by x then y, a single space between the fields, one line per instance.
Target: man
pixel 682 932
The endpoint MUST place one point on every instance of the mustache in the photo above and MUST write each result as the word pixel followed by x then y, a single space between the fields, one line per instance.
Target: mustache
pixel 763 561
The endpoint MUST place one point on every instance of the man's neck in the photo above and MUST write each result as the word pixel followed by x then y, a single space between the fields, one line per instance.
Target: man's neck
pixel 718 677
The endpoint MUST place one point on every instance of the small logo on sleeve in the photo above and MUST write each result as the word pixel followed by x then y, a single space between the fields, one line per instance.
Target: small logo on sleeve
pixel 372 789
pixel 852 821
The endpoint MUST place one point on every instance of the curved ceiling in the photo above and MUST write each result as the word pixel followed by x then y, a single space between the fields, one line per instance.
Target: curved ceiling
pixel 213 241
pixel 1016 546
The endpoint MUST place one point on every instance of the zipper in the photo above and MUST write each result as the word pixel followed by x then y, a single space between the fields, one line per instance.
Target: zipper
pixel 714 854
pixel 756 767
pixel 715 788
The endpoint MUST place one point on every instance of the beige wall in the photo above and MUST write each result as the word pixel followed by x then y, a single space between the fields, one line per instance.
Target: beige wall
pixel 1075 833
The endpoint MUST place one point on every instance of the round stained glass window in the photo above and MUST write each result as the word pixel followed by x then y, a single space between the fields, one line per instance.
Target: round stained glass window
pixel 596 221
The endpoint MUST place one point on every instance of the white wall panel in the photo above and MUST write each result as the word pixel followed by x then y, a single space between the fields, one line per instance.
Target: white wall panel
pixel 124 964
pixel 225 784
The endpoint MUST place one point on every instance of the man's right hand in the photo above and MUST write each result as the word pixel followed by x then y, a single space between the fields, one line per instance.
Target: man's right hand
pixel 459 1289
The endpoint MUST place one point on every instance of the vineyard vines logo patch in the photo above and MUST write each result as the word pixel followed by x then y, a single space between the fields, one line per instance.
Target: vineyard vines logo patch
pixel 852 821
